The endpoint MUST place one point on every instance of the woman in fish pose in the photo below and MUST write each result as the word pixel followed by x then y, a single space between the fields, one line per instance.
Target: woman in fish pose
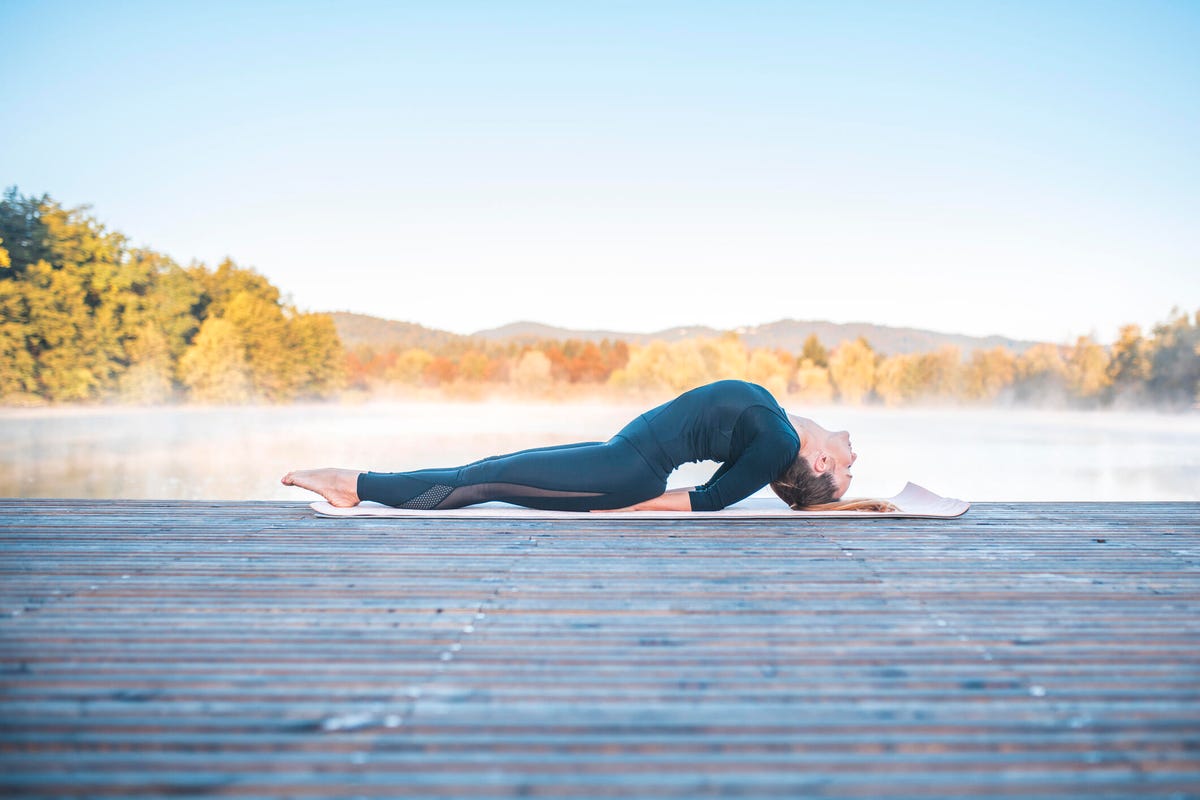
pixel 735 422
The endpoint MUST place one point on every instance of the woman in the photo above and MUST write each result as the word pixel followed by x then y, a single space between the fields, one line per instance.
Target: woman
pixel 731 421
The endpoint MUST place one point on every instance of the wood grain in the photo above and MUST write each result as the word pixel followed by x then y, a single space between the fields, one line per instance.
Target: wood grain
pixel 250 649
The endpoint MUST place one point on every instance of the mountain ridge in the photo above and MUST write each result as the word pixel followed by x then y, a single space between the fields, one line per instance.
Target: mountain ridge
pixel 363 329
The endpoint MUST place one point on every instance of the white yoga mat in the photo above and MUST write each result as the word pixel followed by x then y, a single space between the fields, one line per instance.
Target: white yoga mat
pixel 913 501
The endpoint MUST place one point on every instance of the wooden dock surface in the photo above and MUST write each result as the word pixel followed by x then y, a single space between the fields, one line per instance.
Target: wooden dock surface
pixel 251 649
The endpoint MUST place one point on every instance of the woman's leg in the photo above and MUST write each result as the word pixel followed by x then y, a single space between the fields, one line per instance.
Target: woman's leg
pixel 575 477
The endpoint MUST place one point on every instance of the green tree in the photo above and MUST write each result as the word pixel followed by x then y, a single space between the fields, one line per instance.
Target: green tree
pixel 22 229
pixel 814 351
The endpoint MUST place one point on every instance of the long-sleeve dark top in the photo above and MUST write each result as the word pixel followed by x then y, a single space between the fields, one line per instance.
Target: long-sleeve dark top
pixel 731 421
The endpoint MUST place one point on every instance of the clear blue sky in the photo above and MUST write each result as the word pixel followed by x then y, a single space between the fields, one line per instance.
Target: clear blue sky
pixel 1030 169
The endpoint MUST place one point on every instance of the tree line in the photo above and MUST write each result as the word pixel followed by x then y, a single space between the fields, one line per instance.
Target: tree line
pixel 87 317
pixel 1162 369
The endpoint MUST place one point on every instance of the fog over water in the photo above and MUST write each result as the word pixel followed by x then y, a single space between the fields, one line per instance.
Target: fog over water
pixel 206 453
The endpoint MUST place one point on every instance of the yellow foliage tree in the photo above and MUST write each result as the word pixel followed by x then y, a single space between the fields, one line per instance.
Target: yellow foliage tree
pixel 1041 374
pixel 811 383
pixel 940 373
pixel 897 379
pixel 18 367
pixel 659 366
pixel 409 366
pixel 988 373
pixel 214 368
pixel 273 363
pixel 59 332
pixel 852 368
pixel 1129 365
pixel 474 365
pixel 322 359
pixel 532 372
pixel 768 369
pixel 724 356
pixel 1087 368
pixel 148 378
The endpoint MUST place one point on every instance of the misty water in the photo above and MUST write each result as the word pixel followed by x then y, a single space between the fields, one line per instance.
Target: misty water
pixel 204 453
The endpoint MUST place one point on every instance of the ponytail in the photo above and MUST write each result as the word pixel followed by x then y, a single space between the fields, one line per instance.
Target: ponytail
pixel 860 504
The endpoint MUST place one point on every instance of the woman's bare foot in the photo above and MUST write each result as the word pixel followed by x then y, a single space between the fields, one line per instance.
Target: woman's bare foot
pixel 338 486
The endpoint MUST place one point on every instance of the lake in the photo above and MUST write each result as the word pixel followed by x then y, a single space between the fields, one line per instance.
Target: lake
pixel 223 453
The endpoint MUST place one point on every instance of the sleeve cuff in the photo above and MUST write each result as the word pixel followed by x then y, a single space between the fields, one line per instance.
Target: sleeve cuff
pixel 702 501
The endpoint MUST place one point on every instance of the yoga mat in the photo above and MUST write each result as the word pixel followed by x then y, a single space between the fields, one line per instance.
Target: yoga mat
pixel 913 501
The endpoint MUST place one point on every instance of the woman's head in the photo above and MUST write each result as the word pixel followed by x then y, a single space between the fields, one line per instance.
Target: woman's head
pixel 821 471
pixel 799 486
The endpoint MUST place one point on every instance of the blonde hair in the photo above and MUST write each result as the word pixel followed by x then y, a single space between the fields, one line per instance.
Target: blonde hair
pixel 858 504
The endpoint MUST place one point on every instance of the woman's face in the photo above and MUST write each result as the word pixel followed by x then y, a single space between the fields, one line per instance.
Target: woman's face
pixel 838 446
pixel 827 450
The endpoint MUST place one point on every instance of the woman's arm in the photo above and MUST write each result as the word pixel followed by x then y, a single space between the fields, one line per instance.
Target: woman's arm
pixel 671 500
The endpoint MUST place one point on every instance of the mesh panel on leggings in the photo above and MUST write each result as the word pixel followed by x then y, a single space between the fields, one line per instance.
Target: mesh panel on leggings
pixel 429 498
pixel 509 492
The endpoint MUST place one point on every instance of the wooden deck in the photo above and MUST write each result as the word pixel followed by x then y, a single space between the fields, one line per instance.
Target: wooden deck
pixel 1024 650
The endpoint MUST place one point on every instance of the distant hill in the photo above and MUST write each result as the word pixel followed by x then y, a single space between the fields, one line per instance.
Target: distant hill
pixel 788 334
pixel 356 329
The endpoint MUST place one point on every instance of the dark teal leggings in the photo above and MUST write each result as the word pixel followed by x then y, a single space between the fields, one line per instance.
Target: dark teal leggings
pixel 568 477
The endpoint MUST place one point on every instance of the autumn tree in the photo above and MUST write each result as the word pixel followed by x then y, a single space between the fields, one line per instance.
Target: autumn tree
pixel 1129 366
pixel 1175 361
pixel 811 383
pixel 322 367
pixel 440 370
pixel 723 356
pixel 988 373
pixel 86 317
pixel 532 372
pixel 852 368
pixel 1041 375
pixel 898 379
pixel 814 351
pixel 475 365
pixel 1087 369
pixel 409 366
pixel 768 369
pixel 214 368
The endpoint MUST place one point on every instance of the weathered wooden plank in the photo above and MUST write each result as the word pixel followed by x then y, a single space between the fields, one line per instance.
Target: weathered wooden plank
pixel 251 649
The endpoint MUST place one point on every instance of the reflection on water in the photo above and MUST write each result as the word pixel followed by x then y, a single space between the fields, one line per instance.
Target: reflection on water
pixel 239 453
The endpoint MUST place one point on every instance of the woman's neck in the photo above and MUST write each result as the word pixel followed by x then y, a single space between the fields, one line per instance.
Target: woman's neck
pixel 806 429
